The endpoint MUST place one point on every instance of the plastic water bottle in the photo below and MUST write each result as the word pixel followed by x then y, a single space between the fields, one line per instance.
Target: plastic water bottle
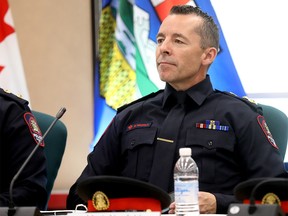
pixel 186 185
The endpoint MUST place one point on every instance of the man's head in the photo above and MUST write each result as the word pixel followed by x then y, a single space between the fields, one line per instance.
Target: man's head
pixel 208 30
pixel 188 41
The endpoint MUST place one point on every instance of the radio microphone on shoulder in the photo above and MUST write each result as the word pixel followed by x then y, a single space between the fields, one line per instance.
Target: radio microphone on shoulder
pixel 12 210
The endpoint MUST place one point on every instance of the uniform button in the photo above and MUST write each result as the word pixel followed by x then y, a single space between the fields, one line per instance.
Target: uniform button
pixel 210 143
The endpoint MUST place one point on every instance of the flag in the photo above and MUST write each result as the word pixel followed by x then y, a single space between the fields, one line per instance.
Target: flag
pixel 127 67
pixel 12 76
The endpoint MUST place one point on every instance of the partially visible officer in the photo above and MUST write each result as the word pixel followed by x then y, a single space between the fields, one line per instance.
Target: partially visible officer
pixel 228 135
pixel 19 133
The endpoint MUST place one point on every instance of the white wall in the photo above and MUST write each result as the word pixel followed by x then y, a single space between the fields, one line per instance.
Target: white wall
pixel 56 47
pixel 256 34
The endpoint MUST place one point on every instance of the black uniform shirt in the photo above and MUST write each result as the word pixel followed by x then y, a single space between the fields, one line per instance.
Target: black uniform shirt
pixel 19 134
pixel 224 132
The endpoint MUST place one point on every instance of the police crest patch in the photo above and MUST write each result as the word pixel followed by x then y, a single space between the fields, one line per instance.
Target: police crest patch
pixel 264 126
pixel 33 127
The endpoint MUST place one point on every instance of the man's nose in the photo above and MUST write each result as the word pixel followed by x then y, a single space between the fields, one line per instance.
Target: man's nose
pixel 165 47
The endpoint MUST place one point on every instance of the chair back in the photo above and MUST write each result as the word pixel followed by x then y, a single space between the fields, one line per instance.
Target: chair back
pixel 277 122
pixel 55 143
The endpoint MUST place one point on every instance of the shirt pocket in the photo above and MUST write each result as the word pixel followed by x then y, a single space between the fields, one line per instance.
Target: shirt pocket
pixel 138 150
pixel 212 150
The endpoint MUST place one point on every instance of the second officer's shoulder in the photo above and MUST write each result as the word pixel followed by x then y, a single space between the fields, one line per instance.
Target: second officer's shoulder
pixel 142 99
pixel 7 95
pixel 246 100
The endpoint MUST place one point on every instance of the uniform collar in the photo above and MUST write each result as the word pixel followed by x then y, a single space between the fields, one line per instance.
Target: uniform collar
pixel 198 93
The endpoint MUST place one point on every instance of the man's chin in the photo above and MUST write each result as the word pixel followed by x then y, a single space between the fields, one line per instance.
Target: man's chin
pixel 164 76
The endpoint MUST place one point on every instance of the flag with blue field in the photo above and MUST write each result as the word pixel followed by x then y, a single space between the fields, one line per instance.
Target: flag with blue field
pixel 127 70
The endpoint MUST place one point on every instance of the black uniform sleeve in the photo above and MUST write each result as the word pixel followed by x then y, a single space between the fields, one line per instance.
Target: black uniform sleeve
pixel 19 135
pixel 101 161
pixel 255 151
pixel 223 202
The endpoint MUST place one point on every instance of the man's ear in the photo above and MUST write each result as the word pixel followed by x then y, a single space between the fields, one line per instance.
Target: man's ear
pixel 209 55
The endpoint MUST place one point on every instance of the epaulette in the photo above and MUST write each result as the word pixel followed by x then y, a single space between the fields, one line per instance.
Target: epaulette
pixel 252 103
pixel 17 98
pixel 153 94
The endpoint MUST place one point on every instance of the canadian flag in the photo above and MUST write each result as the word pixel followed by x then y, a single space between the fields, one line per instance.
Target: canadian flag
pixel 12 76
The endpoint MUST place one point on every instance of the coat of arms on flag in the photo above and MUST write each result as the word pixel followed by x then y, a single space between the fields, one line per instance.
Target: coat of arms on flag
pixel 127 44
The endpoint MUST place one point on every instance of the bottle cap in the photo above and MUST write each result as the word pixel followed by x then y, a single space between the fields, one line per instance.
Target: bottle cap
pixel 185 151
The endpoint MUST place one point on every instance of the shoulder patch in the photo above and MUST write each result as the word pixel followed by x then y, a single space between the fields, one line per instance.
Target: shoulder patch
pixel 151 95
pixel 252 103
pixel 265 129
pixel 33 127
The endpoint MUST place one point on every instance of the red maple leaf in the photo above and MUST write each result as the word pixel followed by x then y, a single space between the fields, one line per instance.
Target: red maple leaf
pixel 5 29
pixel 1 68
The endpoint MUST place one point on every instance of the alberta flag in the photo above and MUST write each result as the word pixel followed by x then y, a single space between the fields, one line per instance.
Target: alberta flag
pixel 127 43
pixel 11 69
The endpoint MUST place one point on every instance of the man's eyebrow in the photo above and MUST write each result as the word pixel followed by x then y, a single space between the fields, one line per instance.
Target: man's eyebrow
pixel 160 34
pixel 176 35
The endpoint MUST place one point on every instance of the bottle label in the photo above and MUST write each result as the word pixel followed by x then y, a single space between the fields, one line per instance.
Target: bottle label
pixel 186 192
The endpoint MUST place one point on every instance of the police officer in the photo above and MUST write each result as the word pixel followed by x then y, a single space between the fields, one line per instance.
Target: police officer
pixel 19 134
pixel 228 135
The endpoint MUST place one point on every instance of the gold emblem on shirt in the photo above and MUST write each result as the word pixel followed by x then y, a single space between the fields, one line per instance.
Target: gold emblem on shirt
pixel 100 201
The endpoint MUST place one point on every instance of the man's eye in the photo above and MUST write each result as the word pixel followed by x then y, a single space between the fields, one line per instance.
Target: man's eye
pixel 178 41
pixel 160 40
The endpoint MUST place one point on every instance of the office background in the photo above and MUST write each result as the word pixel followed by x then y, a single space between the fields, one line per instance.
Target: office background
pixel 55 40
